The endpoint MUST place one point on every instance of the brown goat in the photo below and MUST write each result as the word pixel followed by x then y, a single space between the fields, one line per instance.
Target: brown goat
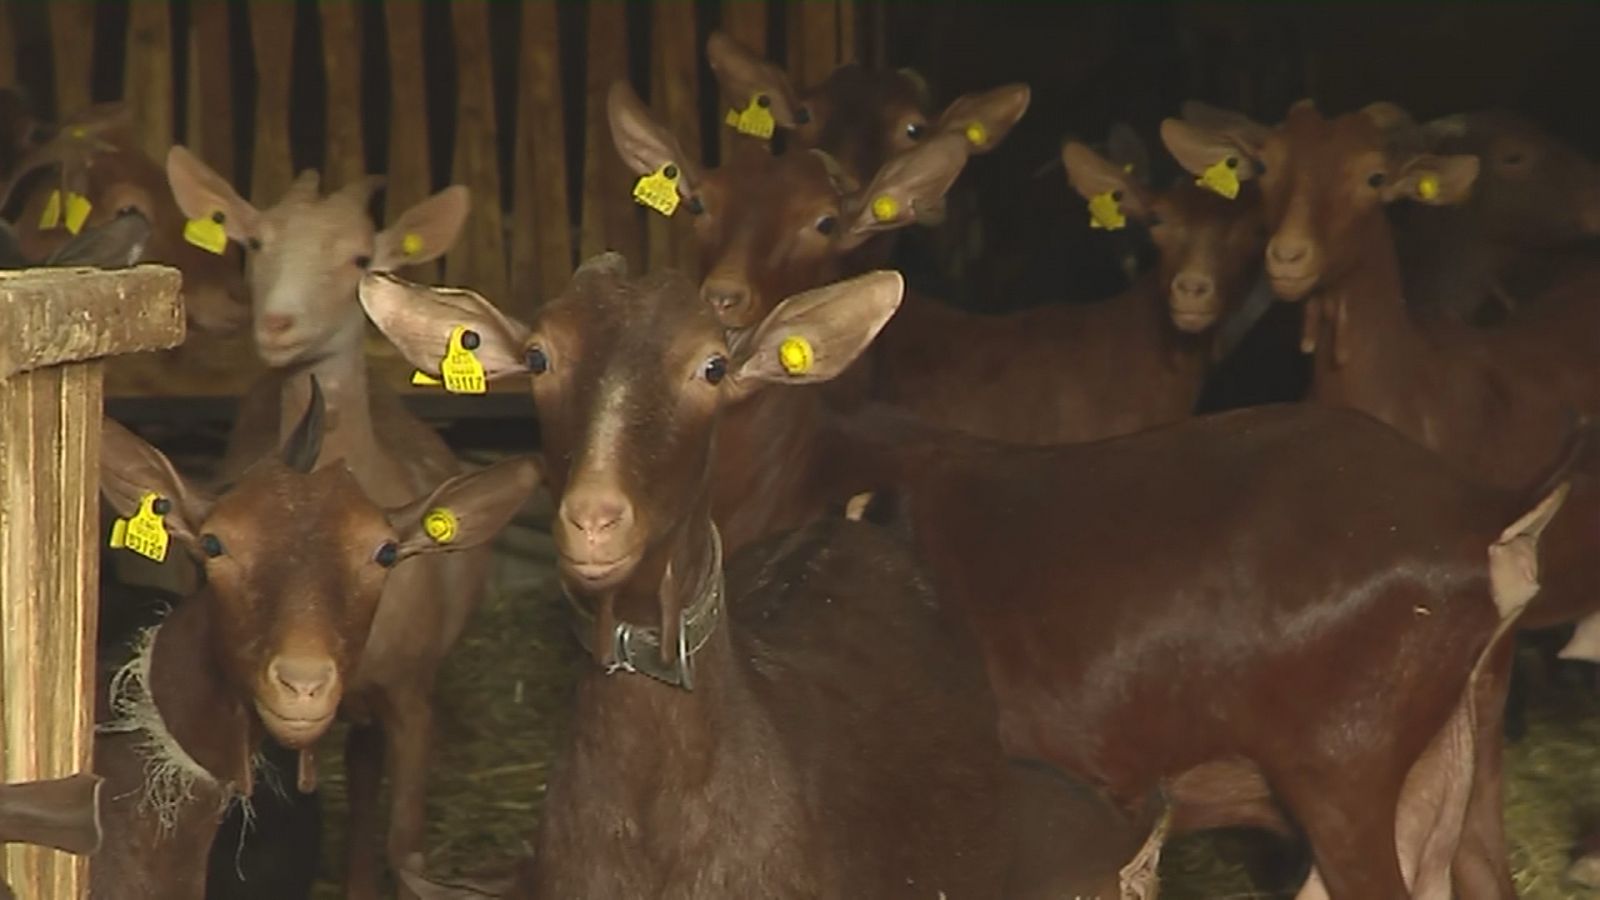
pixel 295 562
pixel 1313 688
pixel 305 257
pixel 839 739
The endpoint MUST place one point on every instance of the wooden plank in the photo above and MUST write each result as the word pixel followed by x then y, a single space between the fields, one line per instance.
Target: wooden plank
pixel 49 454
pixel 479 257
pixel 675 97
pixel 813 42
pixel 53 316
pixel 341 57
pixel 541 234
pixel 849 41
pixel 8 46
pixel 610 220
pixel 72 54
pixel 147 76
pixel 210 128
pixel 746 22
pixel 272 35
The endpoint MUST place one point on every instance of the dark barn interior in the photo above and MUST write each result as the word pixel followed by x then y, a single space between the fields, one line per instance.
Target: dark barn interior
pixel 511 100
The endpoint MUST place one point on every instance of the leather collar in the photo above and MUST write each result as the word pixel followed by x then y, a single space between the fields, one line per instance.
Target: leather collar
pixel 637 648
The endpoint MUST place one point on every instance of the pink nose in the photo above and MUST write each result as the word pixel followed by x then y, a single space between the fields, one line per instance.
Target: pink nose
pixel 301 677
pixel 276 323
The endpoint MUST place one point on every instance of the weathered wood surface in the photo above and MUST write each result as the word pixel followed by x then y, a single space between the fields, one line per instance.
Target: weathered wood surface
pixel 48 317
pixel 341 60
pixel 147 77
pixel 272 32
pixel 479 256
pixel 72 50
pixel 610 217
pixel 408 177
pixel 55 325
pixel 674 88
pixel 210 123
pixel 541 233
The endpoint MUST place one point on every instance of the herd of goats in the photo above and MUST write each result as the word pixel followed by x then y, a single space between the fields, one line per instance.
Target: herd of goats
pixel 883 598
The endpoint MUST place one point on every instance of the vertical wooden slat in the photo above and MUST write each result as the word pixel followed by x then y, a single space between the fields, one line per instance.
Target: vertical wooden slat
pixel 609 217
pixel 745 22
pixel 72 50
pixel 211 87
pixel 675 95
pixel 272 35
pixel 409 181
pixel 8 46
pixel 814 46
pixel 341 56
pixel 849 42
pixel 147 76
pixel 49 452
pixel 541 234
pixel 479 258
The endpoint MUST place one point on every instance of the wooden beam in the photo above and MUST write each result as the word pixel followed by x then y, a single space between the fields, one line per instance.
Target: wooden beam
pixel 745 22
pixel 272 35
pixel 58 323
pixel 479 257
pixel 541 233
pixel 675 98
pixel 410 180
pixel 813 42
pixel 341 58
pixel 147 76
pixel 610 217
pixel 8 45
pixel 72 54
pixel 210 128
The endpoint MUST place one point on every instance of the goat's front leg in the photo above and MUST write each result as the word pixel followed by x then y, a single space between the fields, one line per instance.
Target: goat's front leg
pixel 363 766
pixel 409 729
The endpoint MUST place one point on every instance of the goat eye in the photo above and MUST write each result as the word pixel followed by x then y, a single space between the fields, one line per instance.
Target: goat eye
pixel 1376 179
pixel 536 361
pixel 363 261
pixel 914 130
pixel 716 369
pixel 211 545
pixel 254 243
pixel 388 553
pixel 827 224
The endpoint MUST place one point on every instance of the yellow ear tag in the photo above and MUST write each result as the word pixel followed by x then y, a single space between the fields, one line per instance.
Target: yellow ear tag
pixel 1221 177
pixel 885 209
pixel 1428 186
pixel 462 372
pixel 658 190
pixel 795 355
pixel 51 217
pixel 1105 213
pixel 78 207
pixel 411 244
pixel 440 524
pixel 207 234
pixel 754 120
pixel 79 133
pixel 977 135
pixel 146 532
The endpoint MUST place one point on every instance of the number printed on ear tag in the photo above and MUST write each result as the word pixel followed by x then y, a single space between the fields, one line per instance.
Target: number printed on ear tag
pixel 460 369
pixel 755 119
pixel 1105 212
pixel 145 532
pixel 658 190
pixel 1222 177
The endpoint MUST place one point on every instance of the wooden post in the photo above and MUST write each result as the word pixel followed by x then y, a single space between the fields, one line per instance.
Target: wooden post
pixel 675 99
pixel 611 220
pixel 72 50
pixel 341 59
pixel 478 259
pixel 272 32
pixel 55 325
pixel 147 78
pixel 541 234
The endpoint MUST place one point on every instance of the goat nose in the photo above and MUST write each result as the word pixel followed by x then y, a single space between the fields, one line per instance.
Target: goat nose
pixel 276 323
pixel 725 295
pixel 1191 286
pixel 1288 250
pixel 596 512
pixel 305 678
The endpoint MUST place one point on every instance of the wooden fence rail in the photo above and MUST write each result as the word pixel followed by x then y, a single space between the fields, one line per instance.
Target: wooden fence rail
pixel 510 95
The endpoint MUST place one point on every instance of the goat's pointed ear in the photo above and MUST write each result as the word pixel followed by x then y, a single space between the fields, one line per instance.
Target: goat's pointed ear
pixel 130 468
pixel 418 320
pixel 1125 149
pixel 1434 180
pixel 815 335
pixel 1198 148
pixel 986 117
pixel 467 510
pixel 1092 175
pixel 423 232
pixel 203 194
pixel 910 187
pixel 644 144
pixel 743 76
pixel 116 244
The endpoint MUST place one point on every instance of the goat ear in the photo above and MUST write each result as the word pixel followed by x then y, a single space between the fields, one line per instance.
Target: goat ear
pixel 1092 175
pixel 909 188
pixel 116 244
pixel 418 320
pixel 743 76
pixel 1434 180
pixel 1125 148
pixel 203 194
pixel 815 335
pixel 467 510
pixel 985 118
pixel 643 143
pixel 130 468
pixel 1198 148
pixel 423 232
